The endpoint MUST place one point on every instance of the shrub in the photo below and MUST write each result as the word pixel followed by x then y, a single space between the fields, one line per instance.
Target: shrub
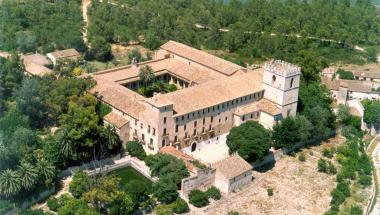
pixel 80 184
pixel 213 193
pixel 198 198
pixel 164 210
pixel 326 166
pixel 53 204
pixel 270 191
pixel 365 180
pixel 165 190
pixel 233 213
pixel 322 165
pixel 356 210
pixel 331 168
pixel 301 157
pixel 135 149
pixel 343 74
pixel 337 197
pixel 329 153
pixel 5 206
pixel 180 206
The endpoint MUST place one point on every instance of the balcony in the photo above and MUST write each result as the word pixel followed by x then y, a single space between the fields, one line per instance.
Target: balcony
pixel 165 135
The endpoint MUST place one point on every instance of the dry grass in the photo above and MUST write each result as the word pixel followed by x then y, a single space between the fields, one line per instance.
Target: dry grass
pixel 298 188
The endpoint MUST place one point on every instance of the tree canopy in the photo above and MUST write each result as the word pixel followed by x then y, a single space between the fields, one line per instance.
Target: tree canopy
pixel 250 140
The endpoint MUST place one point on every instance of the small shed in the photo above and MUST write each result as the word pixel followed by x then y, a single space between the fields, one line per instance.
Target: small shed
pixel 232 173
pixel 71 54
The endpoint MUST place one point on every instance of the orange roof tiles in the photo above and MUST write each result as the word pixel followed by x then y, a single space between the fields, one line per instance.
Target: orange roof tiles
pixel 232 166
pixel 262 105
pixel 115 119
pixel 201 57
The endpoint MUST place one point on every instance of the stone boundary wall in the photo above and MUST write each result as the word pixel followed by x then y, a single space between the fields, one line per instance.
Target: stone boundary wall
pixel 277 154
pixel 204 179
pixel 128 161
pixel 88 166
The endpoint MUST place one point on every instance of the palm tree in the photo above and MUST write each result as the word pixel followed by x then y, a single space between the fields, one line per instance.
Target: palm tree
pixel 110 135
pixel 146 74
pixel 46 169
pixel 10 183
pixel 66 145
pixel 28 175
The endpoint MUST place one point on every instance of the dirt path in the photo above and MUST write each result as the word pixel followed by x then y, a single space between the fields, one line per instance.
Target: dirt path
pixel 85 5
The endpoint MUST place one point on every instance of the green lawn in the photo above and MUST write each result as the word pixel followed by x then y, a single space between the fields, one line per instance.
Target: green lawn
pixel 129 174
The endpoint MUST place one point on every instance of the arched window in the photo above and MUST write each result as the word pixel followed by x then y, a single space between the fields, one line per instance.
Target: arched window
pixel 291 82
pixel 273 79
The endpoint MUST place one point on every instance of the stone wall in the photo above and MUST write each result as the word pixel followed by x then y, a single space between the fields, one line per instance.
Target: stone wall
pixel 204 179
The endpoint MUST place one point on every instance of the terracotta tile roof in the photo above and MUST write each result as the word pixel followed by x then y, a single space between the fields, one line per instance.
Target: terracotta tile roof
pixel 329 70
pixel 119 97
pixel 201 57
pixel 211 93
pixel 35 58
pixel 367 74
pixel 262 105
pixel 67 53
pixel 180 155
pixel 36 69
pixel 35 64
pixel 115 119
pixel 232 166
pixel 352 85
pixel 160 66
pixel 127 72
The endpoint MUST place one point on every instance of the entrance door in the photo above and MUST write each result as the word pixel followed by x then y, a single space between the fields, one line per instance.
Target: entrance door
pixel 193 147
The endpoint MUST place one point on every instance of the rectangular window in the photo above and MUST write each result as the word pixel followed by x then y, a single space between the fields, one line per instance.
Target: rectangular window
pixel 164 120
pixel 176 119
pixel 151 141
pixel 183 118
pixel 176 128
pixel 203 129
pixel 220 120
pixel 141 126
pixel 154 131
pixel 184 127
pixel 148 128
pixel 204 121
pixel 212 118
pixel 208 110
pixel 243 118
pixel 251 116
pixel 225 119
pixel 195 132
pixel 185 134
pixel 195 123
pixel 143 137
pixel 175 138
pixel 164 131
pixel 135 122
pixel 188 116
pixel 163 143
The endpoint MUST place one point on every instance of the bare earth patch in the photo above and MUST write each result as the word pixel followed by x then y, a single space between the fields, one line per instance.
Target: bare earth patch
pixel 298 188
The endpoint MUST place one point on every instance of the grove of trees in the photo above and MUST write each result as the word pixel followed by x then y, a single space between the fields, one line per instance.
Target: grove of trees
pixel 31 25
pixel 256 28
pixel 30 154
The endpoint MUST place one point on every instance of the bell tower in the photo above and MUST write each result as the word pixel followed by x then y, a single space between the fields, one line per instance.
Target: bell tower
pixel 281 82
